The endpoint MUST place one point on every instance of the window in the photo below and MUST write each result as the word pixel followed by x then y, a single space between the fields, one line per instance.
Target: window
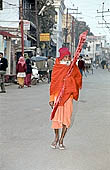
pixel 97 47
pixel 89 48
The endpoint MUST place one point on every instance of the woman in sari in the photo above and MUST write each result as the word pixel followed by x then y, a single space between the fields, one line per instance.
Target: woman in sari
pixel 21 72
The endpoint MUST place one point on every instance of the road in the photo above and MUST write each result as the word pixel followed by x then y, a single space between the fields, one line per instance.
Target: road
pixel 26 134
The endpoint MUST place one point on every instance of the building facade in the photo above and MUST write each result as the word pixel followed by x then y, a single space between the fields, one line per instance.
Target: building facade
pixel 9 23
pixel 59 7
pixel 69 22
pixel 96 48
pixel 10 34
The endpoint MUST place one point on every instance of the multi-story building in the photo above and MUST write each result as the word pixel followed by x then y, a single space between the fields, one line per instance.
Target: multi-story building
pixel 69 32
pixel 29 15
pixel 57 32
pixel 9 23
pixel 96 47
pixel 10 35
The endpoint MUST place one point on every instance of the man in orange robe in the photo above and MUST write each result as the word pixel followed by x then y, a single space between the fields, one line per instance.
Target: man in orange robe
pixel 73 83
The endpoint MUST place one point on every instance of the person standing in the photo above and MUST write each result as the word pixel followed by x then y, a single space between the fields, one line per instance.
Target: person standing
pixel 3 67
pixel 50 63
pixel 81 65
pixel 21 71
pixel 73 83
pixel 27 80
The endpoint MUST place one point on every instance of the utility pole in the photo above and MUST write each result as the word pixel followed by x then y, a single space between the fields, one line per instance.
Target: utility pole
pixel 21 24
pixel 66 30
pixel 73 36
pixel 103 19
pixel 37 26
pixel 73 25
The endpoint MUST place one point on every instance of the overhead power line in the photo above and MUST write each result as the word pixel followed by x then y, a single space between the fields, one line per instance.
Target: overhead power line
pixel 104 22
pixel 9 3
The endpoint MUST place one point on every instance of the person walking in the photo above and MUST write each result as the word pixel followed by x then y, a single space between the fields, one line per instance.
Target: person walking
pixel 27 80
pixel 73 83
pixel 21 71
pixel 81 65
pixel 50 63
pixel 3 67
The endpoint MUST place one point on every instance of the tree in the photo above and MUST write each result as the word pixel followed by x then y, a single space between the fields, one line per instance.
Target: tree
pixel 79 28
pixel 47 17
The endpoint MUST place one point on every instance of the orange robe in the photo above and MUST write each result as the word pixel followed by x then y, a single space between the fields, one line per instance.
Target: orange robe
pixel 72 85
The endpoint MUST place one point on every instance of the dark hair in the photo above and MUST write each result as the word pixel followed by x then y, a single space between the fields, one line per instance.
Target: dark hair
pixel 1 53
pixel 28 61
pixel 80 56
pixel 48 57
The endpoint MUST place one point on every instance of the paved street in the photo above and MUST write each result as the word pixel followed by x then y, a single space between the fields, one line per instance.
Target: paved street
pixel 25 133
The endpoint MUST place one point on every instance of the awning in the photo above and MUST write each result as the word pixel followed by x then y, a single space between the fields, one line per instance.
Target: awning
pixel 7 34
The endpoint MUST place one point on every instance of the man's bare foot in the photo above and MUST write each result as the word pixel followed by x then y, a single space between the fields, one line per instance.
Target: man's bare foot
pixel 54 144
pixel 61 146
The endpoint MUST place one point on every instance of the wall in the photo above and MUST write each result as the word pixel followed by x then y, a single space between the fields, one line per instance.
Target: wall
pixel 59 7
pixel 9 16
pixel 1 44
pixel 94 47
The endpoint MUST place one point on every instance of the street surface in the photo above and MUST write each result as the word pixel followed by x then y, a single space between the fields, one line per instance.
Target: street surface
pixel 26 134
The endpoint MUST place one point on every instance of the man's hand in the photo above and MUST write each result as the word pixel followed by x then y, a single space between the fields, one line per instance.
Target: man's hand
pixel 51 104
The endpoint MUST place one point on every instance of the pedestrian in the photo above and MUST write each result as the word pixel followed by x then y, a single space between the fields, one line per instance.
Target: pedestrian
pixel 21 71
pixel 92 68
pixel 50 63
pixel 73 83
pixel 103 63
pixel 3 67
pixel 81 65
pixel 27 80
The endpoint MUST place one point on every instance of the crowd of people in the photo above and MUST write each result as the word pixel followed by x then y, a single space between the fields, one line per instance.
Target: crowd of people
pixel 24 70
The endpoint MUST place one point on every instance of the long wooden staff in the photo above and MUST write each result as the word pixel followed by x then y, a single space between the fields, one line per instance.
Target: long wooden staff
pixel 82 39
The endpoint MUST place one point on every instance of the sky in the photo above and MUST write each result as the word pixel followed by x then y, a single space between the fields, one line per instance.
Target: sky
pixel 89 8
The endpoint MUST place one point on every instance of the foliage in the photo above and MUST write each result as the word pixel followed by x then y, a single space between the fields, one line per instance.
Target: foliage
pixel 47 17
pixel 79 28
